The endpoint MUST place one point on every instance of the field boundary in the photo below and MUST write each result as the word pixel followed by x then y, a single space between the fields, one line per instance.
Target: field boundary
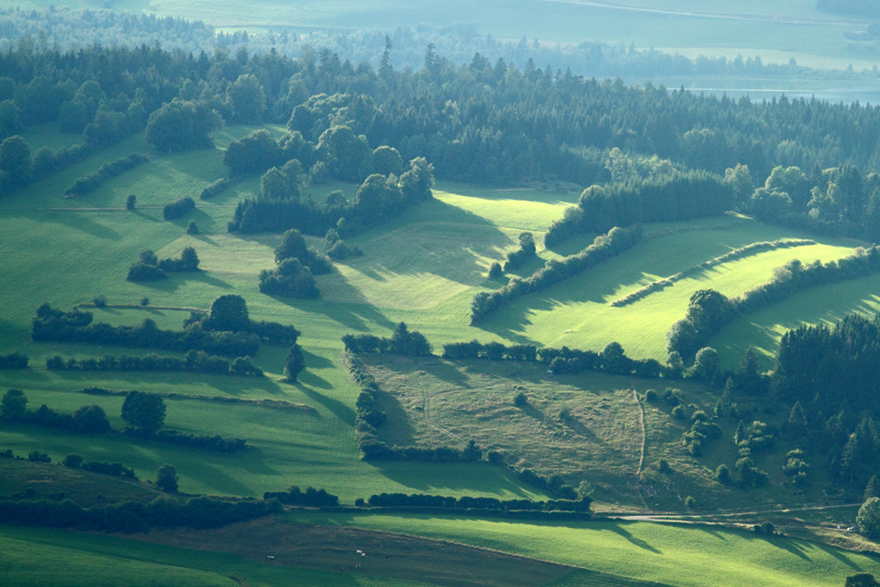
pixel 735 255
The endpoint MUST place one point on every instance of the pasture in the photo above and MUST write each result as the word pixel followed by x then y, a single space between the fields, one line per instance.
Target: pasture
pixel 422 268
pixel 674 555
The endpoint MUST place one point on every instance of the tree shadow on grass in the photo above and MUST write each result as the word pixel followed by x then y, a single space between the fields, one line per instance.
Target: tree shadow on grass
pixel 437 478
pixel 353 316
pixel 335 407
pixel 620 530
pixel 839 556
pixel 309 378
pixel 78 221
pixel 314 361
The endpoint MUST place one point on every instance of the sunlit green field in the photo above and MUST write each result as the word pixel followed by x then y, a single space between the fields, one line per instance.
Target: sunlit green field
pixel 47 558
pixel 422 268
pixel 668 554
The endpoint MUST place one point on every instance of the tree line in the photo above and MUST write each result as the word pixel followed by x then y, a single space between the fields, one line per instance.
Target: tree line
pixel 709 311
pixel 673 196
pixel 107 171
pixel 194 362
pixel 479 122
pixel 746 251
pixel 557 270
pixel 226 330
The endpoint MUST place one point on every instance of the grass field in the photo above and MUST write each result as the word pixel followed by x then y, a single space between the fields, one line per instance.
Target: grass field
pixel 47 558
pixel 423 268
pixel 668 554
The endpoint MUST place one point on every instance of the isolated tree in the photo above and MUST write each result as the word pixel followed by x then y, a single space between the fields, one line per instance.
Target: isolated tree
pixel 144 411
pixel 189 259
pixel 131 202
pixel 294 364
pixel 14 405
pixel 868 518
pixel 166 479
pixel 91 420
pixel 229 313
pixel 192 228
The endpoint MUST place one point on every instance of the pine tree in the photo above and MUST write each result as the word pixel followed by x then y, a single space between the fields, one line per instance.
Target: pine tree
pixel 873 488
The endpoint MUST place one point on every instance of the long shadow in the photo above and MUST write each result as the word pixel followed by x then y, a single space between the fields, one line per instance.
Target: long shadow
pixel 353 316
pixel 82 223
pixel 437 477
pixel 398 419
pixel 335 407
pixel 204 277
pixel 839 556
pixel 618 529
pixel 309 378
pixel 314 361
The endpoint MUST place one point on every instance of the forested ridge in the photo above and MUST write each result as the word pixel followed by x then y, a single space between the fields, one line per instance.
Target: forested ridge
pixel 482 122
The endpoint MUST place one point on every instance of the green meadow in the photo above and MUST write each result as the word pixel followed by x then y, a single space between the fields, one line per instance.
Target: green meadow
pixel 675 555
pixel 422 268
pixel 44 558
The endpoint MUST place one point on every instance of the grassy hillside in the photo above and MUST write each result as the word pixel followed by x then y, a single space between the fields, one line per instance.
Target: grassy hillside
pixel 668 554
pixel 422 268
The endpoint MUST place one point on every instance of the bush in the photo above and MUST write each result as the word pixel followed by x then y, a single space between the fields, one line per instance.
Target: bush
pixel 192 228
pixel 215 188
pixel 178 209
pixel 130 202
pixel 107 171
pixel 520 400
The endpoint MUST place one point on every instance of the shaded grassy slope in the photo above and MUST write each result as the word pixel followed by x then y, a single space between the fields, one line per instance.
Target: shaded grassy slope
pixel 670 554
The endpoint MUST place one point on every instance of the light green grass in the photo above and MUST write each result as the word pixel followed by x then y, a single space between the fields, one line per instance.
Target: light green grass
pixel 47 558
pixel 577 313
pixel 824 304
pixel 422 268
pixel 674 555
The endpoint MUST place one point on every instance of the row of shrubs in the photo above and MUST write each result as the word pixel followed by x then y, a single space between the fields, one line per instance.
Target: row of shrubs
pixel 149 268
pixel 752 249
pixel 14 361
pixel 86 419
pixel 213 443
pixel 370 416
pixel 93 181
pixel 612 359
pixel 387 500
pixel 215 188
pixel 555 271
pixel 311 497
pixel 135 516
pixel 402 342
pixel 76 326
pixel 75 461
pixel 710 311
pixel 178 209
pixel 194 362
